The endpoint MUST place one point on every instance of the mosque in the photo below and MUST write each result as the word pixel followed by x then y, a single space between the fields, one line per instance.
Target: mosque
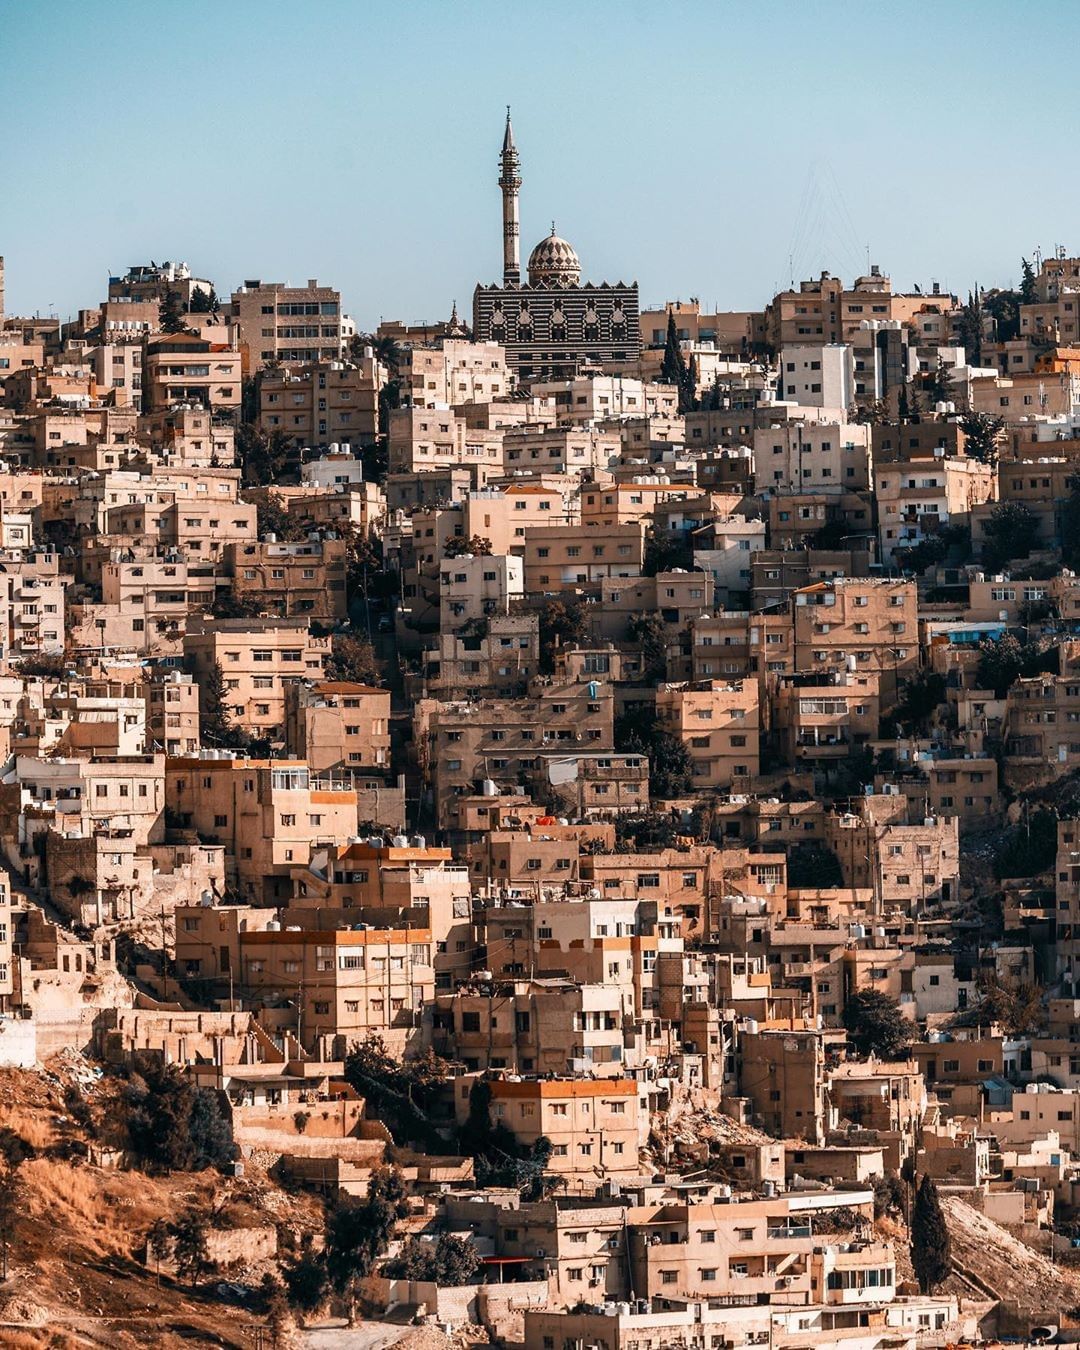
pixel 553 325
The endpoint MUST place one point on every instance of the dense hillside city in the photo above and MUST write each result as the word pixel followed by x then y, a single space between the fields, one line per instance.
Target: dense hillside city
pixel 555 828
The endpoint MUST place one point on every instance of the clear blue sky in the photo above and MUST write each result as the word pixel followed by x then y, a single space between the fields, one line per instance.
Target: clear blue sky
pixel 693 147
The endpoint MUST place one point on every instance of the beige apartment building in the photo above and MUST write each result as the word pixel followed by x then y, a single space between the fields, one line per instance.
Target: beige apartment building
pixel 338 725
pixel 499 741
pixel 119 366
pixel 295 325
pixel 820 722
pixel 928 438
pixel 184 368
pixel 268 815
pixel 619 503
pixel 502 514
pixel 596 1127
pixel 783 1074
pixel 582 451
pixel 556 1026
pixel 258 658
pixel 328 986
pixel 305 579
pixel 776 573
pixel 422 439
pixel 718 723
pixel 32 603
pixel 473 587
pixel 592 398
pixel 564 557
pixel 813 455
pixel 323 402
pixel 594 786
pixel 677 597
pixel 866 626
pixel 905 858
pixel 187 437
pixel 824 310
pixel 497 664
pixel 456 372
pixel 195 527
pixel 1018 397
pixel 108 792
pixel 795 516
pixel 172 711
pixel 772 1251
pixel 916 498
pixel 735 330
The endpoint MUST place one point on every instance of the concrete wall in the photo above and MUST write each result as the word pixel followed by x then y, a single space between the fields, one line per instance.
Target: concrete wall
pixel 18 1043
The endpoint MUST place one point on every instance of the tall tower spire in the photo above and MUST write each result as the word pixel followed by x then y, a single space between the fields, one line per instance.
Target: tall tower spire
pixel 510 182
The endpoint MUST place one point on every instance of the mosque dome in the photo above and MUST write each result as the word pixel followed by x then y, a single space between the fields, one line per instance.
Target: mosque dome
pixel 553 262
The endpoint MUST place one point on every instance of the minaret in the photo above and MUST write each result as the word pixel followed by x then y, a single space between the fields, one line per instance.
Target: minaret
pixel 510 182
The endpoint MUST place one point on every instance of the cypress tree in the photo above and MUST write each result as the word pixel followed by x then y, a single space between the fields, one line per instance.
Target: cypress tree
pixel 215 720
pixel 1028 295
pixel 171 313
pixel 673 368
pixel 929 1238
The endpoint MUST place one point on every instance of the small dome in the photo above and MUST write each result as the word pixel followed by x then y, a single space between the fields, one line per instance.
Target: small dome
pixel 553 262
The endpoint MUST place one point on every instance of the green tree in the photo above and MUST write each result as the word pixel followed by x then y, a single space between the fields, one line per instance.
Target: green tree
pixel 264 456
pixel 387 350
pixel 216 728
pixel 306 1280
pixel 171 1123
pixel 400 1093
pixel 358 1231
pixel 199 302
pixel 934 549
pixel 875 1024
pixel 971 327
pixel 457 546
pixel 673 368
pixel 940 385
pixel 982 436
pixel 920 698
pixel 447 1262
pixel 171 313
pixel 1016 1005
pixel 1028 294
pixel 272 516
pixel 671 768
pixel 903 404
pixel 189 1249
pixel 813 866
pixel 666 550
pixel 1029 847
pixel 930 1254
pixel 352 658
pixel 498 1158
pixel 650 633
pixel 43 666
pixel 561 625
pixel 1011 532
pixel 1004 308
pixel 1004 660
pixel 276 1310
pixel 213 304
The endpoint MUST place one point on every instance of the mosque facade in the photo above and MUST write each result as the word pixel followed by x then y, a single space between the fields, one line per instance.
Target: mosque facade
pixel 551 325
